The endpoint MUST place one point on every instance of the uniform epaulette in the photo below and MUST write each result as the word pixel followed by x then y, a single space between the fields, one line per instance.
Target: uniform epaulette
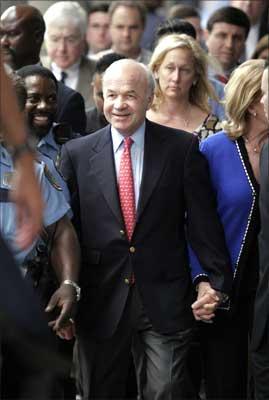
pixel 51 178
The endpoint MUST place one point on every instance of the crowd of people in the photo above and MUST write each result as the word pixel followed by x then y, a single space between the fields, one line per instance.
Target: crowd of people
pixel 134 201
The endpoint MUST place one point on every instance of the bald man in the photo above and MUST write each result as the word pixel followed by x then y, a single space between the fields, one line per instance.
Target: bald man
pixel 22 30
pixel 133 183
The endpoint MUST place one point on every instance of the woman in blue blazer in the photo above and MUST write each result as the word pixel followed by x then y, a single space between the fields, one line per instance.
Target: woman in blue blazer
pixel 233 159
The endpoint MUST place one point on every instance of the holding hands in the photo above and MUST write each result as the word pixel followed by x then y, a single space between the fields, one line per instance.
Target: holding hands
pixel 207 301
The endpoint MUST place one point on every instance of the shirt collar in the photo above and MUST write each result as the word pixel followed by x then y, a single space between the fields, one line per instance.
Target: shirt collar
pixel 71 71
pixel 138 137
pixel 48 140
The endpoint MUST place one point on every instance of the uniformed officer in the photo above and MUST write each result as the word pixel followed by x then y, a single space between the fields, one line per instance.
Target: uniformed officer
pixel 64 246
pixel 22 315
pixel 40 109
pixel 55 204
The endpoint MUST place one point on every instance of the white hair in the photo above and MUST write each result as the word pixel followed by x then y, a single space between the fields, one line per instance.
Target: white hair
pixel 64 13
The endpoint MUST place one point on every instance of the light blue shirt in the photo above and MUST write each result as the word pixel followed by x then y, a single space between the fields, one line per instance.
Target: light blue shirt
pixel 55 205
pixel 49 147
pixel 137 154
pixel 56 174
pixel 217 108
pixel 49 152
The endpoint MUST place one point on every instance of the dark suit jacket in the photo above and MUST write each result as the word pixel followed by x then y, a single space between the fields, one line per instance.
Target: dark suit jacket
pixel 85 75
pixel 175 181
pixel 71 108
pixel 262 297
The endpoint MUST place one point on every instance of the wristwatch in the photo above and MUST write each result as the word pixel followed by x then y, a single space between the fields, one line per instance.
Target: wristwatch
pixel 75 286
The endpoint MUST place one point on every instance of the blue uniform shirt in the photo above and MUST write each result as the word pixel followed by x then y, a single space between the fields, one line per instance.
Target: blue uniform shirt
pixel 56 174
pixel 49 152
pixel 49 147
pixel 55 205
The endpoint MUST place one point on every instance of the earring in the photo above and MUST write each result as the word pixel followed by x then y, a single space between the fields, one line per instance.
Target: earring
pixel 255 114
pixel 194 83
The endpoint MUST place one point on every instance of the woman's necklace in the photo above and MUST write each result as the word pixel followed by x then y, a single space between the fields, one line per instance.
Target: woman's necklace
pixel 168 117
pixel 256 148
pixel 186 120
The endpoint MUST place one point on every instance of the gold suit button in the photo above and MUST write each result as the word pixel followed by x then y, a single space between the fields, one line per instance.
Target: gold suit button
pixel 132 249
pixel 126 280
pixel 122 232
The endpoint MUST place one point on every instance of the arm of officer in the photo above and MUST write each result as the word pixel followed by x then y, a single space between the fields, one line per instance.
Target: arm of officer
pixel 65 258
pixel 26 193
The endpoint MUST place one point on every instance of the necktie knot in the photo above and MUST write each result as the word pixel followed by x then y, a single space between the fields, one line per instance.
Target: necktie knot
pixel 128 142
pixel 63 76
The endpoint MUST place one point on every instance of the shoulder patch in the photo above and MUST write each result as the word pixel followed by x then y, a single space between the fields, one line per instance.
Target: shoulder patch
pixel 51 178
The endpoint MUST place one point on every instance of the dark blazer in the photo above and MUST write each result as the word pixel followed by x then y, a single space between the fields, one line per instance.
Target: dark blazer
pixel 262 297
pixel 85 75
pixel 175 181
pixel 71 108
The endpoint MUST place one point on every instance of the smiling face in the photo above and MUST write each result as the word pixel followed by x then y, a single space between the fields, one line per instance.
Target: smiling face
pixel 41 104
pixel 126 97
pixel 176 74
pixel 226 43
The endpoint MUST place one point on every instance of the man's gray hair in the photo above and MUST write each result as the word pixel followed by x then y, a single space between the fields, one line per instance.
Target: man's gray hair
pixel 64 13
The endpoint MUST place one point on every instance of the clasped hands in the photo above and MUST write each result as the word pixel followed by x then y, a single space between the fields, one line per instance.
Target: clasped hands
pixel 207 301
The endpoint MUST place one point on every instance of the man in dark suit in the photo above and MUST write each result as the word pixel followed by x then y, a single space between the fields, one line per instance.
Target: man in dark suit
pixel 66 23
pixel 260 342
pixel 133 183
pixel 22 31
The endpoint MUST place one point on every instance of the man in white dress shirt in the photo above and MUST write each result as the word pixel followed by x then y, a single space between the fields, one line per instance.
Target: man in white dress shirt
pixel 66 23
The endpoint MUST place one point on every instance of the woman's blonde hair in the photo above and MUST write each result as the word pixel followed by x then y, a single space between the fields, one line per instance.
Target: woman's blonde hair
pixel 242 89
pixel 202 89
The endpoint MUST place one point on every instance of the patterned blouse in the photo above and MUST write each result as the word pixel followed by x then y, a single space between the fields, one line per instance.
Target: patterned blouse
pixel 210 126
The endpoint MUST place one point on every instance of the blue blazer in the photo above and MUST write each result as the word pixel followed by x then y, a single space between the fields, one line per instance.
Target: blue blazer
pixel 236 192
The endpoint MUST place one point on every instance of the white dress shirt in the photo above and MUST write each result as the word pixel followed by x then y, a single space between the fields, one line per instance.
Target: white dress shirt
pixel 72 74
pixel 137 155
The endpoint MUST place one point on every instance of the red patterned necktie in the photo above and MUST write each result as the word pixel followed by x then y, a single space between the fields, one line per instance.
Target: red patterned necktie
pixel 126 188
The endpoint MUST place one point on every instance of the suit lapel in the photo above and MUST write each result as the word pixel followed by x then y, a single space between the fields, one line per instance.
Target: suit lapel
pixel 104 169
pixel 154 161
pixel 83 77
